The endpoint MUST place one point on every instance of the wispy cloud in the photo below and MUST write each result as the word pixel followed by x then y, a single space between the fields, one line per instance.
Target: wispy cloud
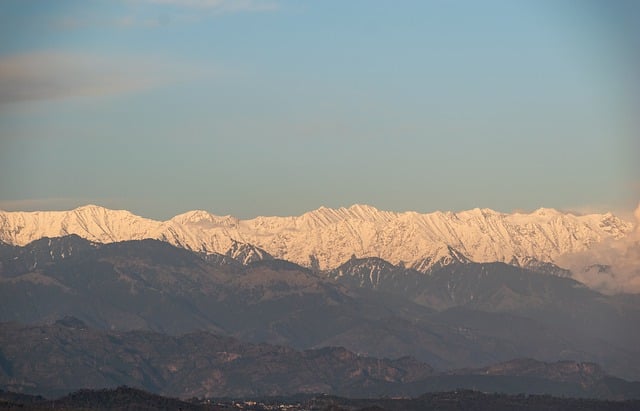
pixel 58 75
pixel 221 5
pixel 148 14
pixel 125 21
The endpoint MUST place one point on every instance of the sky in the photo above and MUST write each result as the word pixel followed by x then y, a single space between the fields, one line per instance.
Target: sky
pixel 277 107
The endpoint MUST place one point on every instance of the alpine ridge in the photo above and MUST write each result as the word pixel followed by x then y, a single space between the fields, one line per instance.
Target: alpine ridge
pixel 325 238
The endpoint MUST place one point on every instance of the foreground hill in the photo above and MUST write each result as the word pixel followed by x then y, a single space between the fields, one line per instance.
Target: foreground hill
pixel 126 398
pixel 120 398
pixel 462 400
pixel 325 238
pixel 67 355
pixel 461 315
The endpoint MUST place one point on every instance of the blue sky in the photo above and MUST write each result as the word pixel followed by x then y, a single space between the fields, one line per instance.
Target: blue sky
pixel 276 107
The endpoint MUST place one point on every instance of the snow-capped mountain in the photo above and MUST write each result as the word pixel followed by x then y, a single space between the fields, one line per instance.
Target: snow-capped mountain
pixel 440 257
pixel 374 273
pixel 325 238
pixel 247 253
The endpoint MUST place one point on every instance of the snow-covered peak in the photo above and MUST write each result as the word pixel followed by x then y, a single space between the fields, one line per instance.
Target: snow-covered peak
pixel 543 211
pixel 366 212
pixel 91 208
pixel 327 237
pixel 325 215
pixel 322 216
pixel 476 213
pixel 92 222
pixel 204 217
pixel 367 272
pixel 439 257
pixel 247 253
pixel 194 216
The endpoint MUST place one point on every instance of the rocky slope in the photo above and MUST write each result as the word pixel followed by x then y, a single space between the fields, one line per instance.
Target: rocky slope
pixel 325 238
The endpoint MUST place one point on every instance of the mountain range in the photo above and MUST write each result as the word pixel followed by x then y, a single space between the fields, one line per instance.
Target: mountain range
pixel 325 238
pixel 460 315
pixel 453 291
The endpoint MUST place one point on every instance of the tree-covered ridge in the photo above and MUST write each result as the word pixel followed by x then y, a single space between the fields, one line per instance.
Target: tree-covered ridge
pixel 127 398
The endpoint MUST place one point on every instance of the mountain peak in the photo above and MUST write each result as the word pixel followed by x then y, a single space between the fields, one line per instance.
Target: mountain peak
pixel 193 216
pixel 363 208
pixel 356 212
pixel 247 253
pixel 441 256
pixel 326 237
pixel 477 213
pixel 202 217
pixel 90 207
pixel 546 212
pixel 367 272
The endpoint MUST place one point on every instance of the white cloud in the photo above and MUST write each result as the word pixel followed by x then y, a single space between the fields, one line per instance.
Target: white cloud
pixel 53 75
pixel 612 266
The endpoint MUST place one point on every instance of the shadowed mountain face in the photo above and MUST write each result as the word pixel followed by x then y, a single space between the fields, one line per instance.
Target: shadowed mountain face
pixel 562 304
pixel 65 356
pixel 460 315
pixel 464 284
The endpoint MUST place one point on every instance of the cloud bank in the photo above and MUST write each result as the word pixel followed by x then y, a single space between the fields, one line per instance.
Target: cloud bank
pixel 610 267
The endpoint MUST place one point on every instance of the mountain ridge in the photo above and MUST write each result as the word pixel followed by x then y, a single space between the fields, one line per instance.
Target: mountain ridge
pixel 460 315
pixel 324 238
